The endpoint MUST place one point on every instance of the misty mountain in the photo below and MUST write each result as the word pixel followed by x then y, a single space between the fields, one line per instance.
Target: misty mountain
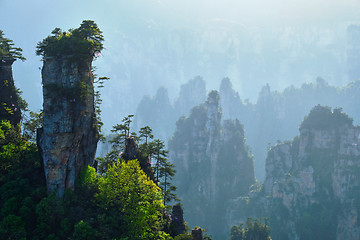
pixel 213 164
pixel 311 189
pixel 275 115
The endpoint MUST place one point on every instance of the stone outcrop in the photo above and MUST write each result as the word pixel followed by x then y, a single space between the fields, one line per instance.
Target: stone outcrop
pixel 69 136
pixel 9 100
pixel 131 149
pixel 196 234
pixel 213 165
pixel 312 184
pixel 177 225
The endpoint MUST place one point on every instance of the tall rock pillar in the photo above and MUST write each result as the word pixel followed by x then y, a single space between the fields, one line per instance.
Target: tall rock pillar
pixel 9 100
pixel 69 136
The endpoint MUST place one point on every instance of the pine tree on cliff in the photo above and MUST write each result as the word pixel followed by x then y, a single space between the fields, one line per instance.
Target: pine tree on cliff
pixel 10 100
pixel 69 136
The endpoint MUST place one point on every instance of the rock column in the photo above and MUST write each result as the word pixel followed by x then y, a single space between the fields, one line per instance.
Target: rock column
pixel 9 101
pixel 69 136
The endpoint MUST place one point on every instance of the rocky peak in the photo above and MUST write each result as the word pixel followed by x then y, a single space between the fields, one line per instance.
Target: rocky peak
pixel 213 112
pixel 69 136
pixel 313 180
pixel 231 103
pixel 213 164
pixel 191 94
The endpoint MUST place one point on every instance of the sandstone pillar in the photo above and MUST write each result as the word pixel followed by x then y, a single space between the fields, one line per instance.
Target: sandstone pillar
pixel 69 136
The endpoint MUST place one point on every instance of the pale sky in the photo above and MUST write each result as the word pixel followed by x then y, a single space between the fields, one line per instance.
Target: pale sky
pixel 28 21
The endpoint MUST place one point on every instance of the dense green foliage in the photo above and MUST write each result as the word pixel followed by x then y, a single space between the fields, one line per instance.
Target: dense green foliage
pixel 8 49
pixel 151 155
pixel 323 118
pixel 85 40
pixel 122 203
pixel 126 193
pixel 22 185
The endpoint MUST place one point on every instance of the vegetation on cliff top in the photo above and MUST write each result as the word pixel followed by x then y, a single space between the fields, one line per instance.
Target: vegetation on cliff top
pixel 252 229
pixel 8 49
pixel 85 40
pixel 323 118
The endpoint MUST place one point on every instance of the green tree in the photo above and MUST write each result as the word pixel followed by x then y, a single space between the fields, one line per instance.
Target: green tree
pixel 160 155
pixel 117 139
pixel 84 231
pixel 163 169
pixel 166 186
pixel 99 84
pixel 8 49
pixel 145 132
pixel 131 202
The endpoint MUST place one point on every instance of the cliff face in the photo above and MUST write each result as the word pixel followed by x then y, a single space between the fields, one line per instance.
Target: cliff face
pixel 9 102
pixel 312 184
pixel 69 136
pixel 213 165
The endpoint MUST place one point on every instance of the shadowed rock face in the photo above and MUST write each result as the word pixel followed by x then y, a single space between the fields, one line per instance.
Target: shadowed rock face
pixel 213 165
pixel 312 180
pixel 69 137
pixel 9 105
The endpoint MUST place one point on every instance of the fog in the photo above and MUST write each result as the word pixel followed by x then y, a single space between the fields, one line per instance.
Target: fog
pixel 157 43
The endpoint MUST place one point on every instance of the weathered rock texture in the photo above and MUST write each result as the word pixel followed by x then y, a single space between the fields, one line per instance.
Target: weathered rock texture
pixel 69 137
pixel 312 184
pixel 213 165
pixel 9 100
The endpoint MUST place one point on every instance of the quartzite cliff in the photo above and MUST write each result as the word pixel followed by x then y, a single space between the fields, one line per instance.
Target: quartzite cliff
pixel 69 136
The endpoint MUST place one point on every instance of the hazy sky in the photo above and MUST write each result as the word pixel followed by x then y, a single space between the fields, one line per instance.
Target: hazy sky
pixel 29 21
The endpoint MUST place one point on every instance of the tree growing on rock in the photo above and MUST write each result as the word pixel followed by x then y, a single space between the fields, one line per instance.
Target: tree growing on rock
pixel 11 102
pixel 85 40
pixel 8 49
